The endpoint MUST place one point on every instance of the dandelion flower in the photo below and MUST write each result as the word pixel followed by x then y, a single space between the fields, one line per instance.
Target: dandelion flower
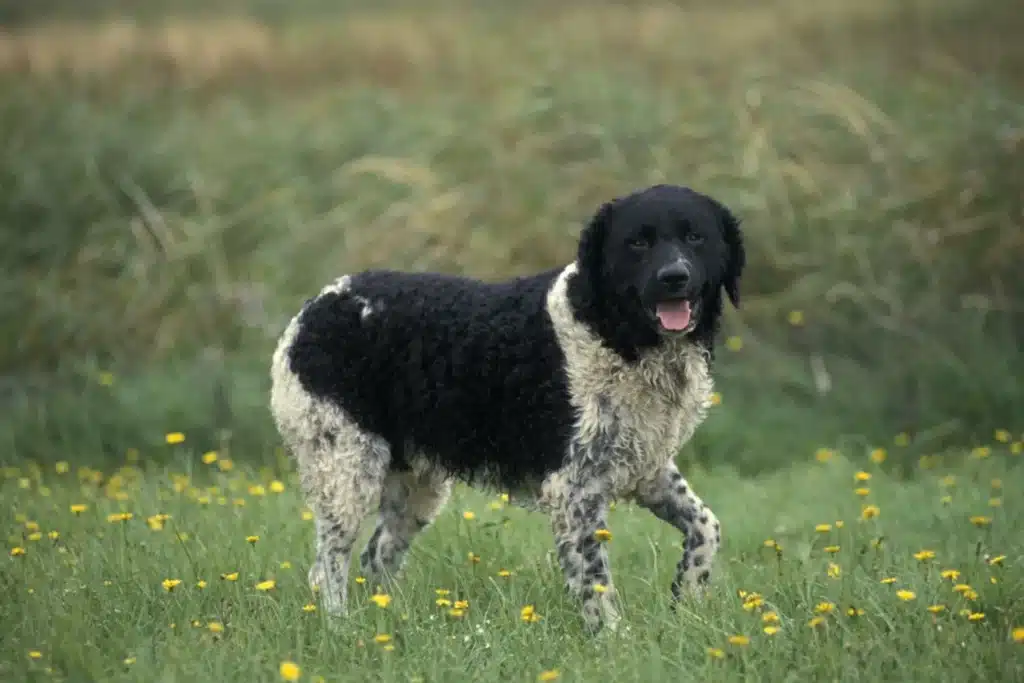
pixel 862 491
pixel 252 539
pixel 771 543
pixel 360 580
pixel 443 602
pixel 456 613
pixel 831 549
pixel 603 535
pixel 946 500
pixel 951 574
pixel 128 661
pixel 115 517
pixel 752 602
pixel 309 607
pixel 980 452
pixel 285 565
pixel 231 576
pixel 504 573
pixel 174 437
pixel 78 508
pixel 824 608
pixel 823 454
pixel 852 611
pixel 382 600
pixel 62 467
pixel 209 457
pixel 382 638
pixel 870 512
pixel 170 584
pixel 771 630
pixel 935 609
pixel 981 520
pixel 35 654
pixel 716 653
pixel 862 476
pixel 823 528
pixel 716 398
pixel 1017 447
pixel 257 490
pixel 834 570
pixel 200 584
pixel 289 671
pixel 770 617
pixel 529 614
pixel 739 640
pixel 277 486
pixel 225 465
pixel 976 616
pixel 995 502
pixel 816 621
pixel 923 555
pixel 473 557
pixel 17 551
pixel 878 456
pixel 997 560
pixel 906 595
pixel 267 585
pixel 1018 634
pixel 215 627
pixel 962 588
pixel 549 675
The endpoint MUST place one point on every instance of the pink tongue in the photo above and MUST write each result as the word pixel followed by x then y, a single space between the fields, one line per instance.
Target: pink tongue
pixel 674 315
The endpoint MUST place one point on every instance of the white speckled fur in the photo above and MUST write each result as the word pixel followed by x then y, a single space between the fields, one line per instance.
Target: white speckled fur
pixel 632 420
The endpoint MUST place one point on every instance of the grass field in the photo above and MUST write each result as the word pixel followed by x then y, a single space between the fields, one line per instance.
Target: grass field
pixel 928 588
pixel 177 177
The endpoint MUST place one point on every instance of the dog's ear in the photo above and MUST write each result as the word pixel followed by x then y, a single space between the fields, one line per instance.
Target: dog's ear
pixel 591 248
pixel 736 259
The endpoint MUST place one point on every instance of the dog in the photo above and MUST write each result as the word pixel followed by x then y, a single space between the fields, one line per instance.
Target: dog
pixel 567 389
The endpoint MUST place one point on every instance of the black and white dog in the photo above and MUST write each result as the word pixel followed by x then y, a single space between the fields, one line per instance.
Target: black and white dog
pixel 567 389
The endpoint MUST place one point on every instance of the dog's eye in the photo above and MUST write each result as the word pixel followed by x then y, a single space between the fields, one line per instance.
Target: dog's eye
pixel 694 238
pixel 639 242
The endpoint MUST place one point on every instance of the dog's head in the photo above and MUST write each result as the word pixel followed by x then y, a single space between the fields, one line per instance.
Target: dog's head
pixel 653 265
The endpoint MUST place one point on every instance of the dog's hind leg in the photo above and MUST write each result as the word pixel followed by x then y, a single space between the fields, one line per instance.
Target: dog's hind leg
pixel 410 501
pixel 342 478
pixel 671 499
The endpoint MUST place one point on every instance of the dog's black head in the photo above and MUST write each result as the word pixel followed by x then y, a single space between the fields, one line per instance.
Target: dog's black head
pixel 653 265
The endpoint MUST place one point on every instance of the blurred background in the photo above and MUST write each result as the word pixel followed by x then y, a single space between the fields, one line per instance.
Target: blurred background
pixel 177 177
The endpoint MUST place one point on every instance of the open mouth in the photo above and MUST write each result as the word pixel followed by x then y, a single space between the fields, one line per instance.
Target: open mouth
pixel 675 315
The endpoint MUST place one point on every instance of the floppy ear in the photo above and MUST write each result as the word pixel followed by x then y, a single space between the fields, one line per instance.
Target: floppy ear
pixel 591 248
pixel 737 257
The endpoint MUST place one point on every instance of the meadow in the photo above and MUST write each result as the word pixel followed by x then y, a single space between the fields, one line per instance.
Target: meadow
pixel 177 177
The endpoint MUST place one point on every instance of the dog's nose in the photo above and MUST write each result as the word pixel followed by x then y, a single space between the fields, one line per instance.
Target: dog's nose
pixel 675 275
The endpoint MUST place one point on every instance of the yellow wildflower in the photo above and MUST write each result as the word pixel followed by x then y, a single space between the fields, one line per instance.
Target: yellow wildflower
pixel 998 559
pixel 529 614
pixel 215 627
pixel 267 585
pixel 382 600
pixel 976 616
pixel 473 557
pixel 225 464
pixel 862 492
pixel 382 638
pixel 53 535
pixel 1002 436
pixel 823 528
pixel 824 608
pixel 504 573
pixel 170 584
pixel 78 508
pixel 951 574
pixel 715 653
pixel 995 502
pixel 888 580
pixel 935 609
pixel 201 584
pixel 17 551
pixel 456 612
pixel 878 456
pixel 831 549
pixel 1017 447
pixel 981 520
pixel 119 517
pixel 816 621
pixel 870 512
pixel 277 486
pixel 286 565
pixel 734 343
pixel 795 318
pixel 603 535
pixel 862 476
pixel 1018 634
pixel 309 607
pixel 307 515
pixel 289 671
pixel 961 588
pixel 232 576
pixel 549 675
pixel 600 588
pixel 62 467
pixel 257 490
pixel 833 570
pixel 770 617
pixel 469 515
pixel 35 654
pixel 854 611
pixel 252 539
pixel 34 536
pixel 906 595
pixel 360 580
pixel 923 555
pixel 739 640
pixel 174 437
pixel 209 457
pixel 980 452
pixel 823 454
pixel 716 398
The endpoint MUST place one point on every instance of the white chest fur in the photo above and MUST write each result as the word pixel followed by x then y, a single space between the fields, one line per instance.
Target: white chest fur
pixel 640 413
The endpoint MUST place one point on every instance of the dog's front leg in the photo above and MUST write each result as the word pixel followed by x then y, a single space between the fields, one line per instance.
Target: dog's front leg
pixel 580 532
pixel 671 499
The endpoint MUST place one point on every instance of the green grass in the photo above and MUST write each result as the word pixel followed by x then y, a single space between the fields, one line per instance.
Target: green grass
pixel 92 602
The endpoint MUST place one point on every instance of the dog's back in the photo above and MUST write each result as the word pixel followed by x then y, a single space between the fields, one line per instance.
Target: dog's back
pixel 466 373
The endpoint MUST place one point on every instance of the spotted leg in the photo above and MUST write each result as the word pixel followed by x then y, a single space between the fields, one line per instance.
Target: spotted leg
pixel 671 499
pixel 578 525
pixel 409 503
